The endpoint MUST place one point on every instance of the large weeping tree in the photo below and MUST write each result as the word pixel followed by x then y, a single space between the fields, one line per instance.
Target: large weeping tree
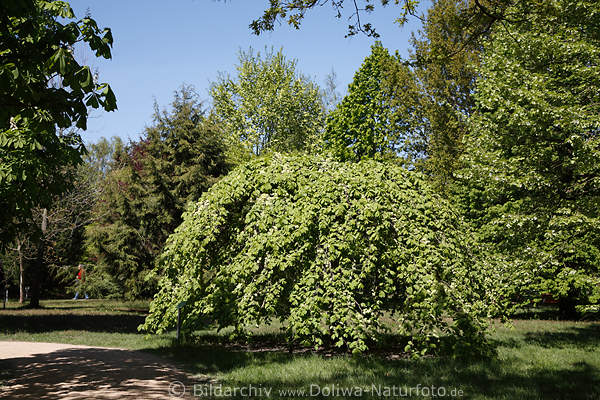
pixel 328 248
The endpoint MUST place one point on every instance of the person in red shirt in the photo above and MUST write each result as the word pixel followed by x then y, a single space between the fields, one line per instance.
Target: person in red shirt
pixel 81 283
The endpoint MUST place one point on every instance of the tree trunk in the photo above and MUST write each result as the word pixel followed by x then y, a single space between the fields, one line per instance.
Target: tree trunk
pixel 566 307
pixel 38 264
pixel 20 253
pixel 5 286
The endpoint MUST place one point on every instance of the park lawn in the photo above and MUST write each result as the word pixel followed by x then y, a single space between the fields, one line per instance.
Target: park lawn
pixel 536 359
pixel 106 323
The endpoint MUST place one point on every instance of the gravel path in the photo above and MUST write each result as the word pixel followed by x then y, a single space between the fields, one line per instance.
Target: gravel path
pixel 66 371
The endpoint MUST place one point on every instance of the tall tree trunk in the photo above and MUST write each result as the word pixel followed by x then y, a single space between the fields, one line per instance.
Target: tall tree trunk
pixel 5 286
pixel 39 263
pixel 20 253
pixel 566 307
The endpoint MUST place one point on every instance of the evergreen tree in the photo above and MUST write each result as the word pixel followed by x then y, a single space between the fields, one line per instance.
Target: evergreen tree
pixel 180 156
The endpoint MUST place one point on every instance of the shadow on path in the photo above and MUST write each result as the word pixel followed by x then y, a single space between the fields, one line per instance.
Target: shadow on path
pixel 84 373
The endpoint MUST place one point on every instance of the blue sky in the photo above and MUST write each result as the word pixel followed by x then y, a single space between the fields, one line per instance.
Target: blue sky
pixel 158 45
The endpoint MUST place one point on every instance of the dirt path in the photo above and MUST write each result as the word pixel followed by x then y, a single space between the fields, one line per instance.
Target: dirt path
pixel 65 371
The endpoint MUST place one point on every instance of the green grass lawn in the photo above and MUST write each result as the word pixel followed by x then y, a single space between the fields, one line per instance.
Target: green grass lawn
pixel 536 359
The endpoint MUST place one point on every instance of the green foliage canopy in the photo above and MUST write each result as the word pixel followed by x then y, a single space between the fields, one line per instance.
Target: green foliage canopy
pixel 430 92
pixel 42 88
pixel 533 156
pixel 61 245
pixel 443 62
pixel 368 122
pixel 326 247
pixel 416 108
pixel 268 105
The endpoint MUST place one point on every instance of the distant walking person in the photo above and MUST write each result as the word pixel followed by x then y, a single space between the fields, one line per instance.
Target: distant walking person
pixel 80 283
